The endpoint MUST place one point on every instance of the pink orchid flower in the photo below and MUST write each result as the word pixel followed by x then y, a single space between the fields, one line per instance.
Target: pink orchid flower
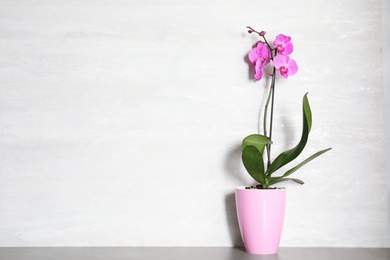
pixel 283 44
pixel 286 66
pixel 259 56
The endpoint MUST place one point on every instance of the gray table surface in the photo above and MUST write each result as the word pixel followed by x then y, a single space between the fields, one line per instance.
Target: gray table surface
pixel 188 253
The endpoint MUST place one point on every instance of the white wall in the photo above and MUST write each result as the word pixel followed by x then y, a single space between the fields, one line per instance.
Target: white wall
pixel 120 121
pixel 386 85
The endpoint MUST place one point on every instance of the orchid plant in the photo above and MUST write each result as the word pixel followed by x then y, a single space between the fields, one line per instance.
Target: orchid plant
pixel 253 146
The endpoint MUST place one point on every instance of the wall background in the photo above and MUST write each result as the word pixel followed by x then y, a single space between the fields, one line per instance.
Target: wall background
pixel 386 84
pixel 121 121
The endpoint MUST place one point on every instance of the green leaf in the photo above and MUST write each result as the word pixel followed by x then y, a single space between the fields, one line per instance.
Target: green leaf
pixel 289 172
pixel 253 162
pixel 256 140
pixel 277 179
pixel 289 155
pixel 274 180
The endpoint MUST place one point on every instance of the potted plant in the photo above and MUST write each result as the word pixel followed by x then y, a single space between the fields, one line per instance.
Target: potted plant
pixel 260 208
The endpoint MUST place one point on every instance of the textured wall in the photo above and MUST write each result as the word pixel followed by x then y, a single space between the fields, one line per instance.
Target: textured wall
pixel 386 85
pixel 121 121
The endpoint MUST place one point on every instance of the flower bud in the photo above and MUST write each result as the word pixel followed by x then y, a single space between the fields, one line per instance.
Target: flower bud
pixel 250 31
pixel 262 33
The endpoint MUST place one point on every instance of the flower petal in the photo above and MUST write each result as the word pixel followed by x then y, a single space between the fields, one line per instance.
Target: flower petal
pixel 292 67
pixel 288 48
pixel 264 51
pixel 284 75
pixel 253 56
pixel 258 75
pixel 280 61
pixel 259 70
pixel 281 39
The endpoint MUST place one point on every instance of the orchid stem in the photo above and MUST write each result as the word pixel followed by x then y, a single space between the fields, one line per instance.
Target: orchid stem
pixel 271 117
pixel 266 112
pixel 262 35
pixel 271 96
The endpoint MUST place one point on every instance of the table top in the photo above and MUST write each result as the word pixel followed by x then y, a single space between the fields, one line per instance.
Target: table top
pixel 188 253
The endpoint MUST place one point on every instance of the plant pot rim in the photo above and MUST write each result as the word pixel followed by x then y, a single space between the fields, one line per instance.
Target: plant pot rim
pixel 261 190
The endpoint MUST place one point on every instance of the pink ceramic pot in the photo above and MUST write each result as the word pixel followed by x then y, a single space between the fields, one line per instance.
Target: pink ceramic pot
pixel 261 216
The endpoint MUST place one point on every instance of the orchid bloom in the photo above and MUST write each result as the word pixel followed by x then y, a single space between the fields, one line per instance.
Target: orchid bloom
pixel 285 65
pixel 259 56
pixel 283 44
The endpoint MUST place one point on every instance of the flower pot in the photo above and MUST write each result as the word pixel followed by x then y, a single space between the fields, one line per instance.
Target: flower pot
pixel 261 216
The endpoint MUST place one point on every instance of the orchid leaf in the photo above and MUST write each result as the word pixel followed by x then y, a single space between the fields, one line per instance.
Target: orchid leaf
pixel 253 162
pixel 277 179
pixel 289 172
pixel 274 180
pixel 258 141
pixel 289 155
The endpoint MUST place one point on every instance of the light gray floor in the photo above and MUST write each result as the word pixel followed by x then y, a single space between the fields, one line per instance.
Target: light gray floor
pixel 188 253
